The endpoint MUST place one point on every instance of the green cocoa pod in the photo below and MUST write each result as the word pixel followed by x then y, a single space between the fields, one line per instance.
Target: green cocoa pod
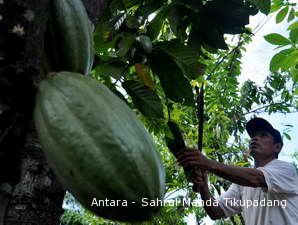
pixel 98 148
pixel 144 43
pixel 69 40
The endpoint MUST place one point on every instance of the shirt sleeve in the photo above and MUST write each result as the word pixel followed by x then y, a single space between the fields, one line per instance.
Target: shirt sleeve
pixel 280 177
pixel 228 201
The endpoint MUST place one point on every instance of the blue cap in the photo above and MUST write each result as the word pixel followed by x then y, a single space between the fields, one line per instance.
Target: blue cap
pixel 257 124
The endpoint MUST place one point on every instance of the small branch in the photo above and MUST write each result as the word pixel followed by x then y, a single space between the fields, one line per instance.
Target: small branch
pixel 264 111
pixel 265 106
pixel 223 58
pixel 200 115
pixel 234 55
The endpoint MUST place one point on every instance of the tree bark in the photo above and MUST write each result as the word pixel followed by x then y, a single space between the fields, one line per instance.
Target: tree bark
pixel 37 198
pixel 29 191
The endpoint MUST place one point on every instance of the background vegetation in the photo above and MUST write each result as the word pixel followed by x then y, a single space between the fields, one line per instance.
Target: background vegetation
pixel 156 55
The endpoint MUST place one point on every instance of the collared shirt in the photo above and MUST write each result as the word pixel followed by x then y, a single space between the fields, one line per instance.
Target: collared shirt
pixel 275 205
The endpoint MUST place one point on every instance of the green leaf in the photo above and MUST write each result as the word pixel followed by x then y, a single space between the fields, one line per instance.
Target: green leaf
pixel 277 59
pixel 276 6
pixel 174 84
pixel 291 15
pixel 287 136
pixel 294 36
pixel 277 39
pixel 146 100
pixel 231 20
pixel 214 38
pixel 156 24
pixel 125 43
pixel 296 91
pixel 294 74
pixel 290 60
pixel 195 39
pixel 103 39
pixel 176 16
pixel 185 57
pixel 114 69
pixel 242 163
pixel 130 3
pixel 293 26
pixel 282 14
pixel 148 8
pixel 263 5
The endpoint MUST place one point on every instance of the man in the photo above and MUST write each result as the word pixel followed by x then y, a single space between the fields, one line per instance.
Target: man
pixel 266 194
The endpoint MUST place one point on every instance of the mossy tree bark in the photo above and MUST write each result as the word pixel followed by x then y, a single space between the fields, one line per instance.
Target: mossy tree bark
pixel 29 191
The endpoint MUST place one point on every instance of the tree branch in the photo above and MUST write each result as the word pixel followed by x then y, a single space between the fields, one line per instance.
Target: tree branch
pixel 265 106
pixel 225 56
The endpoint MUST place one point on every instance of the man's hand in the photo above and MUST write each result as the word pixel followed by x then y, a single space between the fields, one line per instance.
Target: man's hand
pixel 193 160
pixel 199 178
pixel 190 158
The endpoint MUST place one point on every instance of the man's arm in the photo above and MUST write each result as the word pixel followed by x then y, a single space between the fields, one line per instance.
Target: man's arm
pixel 200 182
pixel 240 175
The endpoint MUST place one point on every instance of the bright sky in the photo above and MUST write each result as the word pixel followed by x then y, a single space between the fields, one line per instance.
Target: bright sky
pixel 255 66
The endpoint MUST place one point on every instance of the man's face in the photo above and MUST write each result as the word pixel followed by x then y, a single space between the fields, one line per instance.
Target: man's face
pixel 262 145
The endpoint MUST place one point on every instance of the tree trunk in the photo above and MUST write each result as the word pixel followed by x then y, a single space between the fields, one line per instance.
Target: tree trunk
pixel 38 197
pixel 29 191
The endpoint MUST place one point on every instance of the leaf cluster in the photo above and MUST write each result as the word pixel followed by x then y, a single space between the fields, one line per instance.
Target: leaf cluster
pixel 153 49
pixel 287 58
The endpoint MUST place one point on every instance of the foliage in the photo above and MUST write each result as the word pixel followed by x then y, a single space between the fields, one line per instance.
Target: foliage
pixel 287 58
pixel 72 218
pixel 190 48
